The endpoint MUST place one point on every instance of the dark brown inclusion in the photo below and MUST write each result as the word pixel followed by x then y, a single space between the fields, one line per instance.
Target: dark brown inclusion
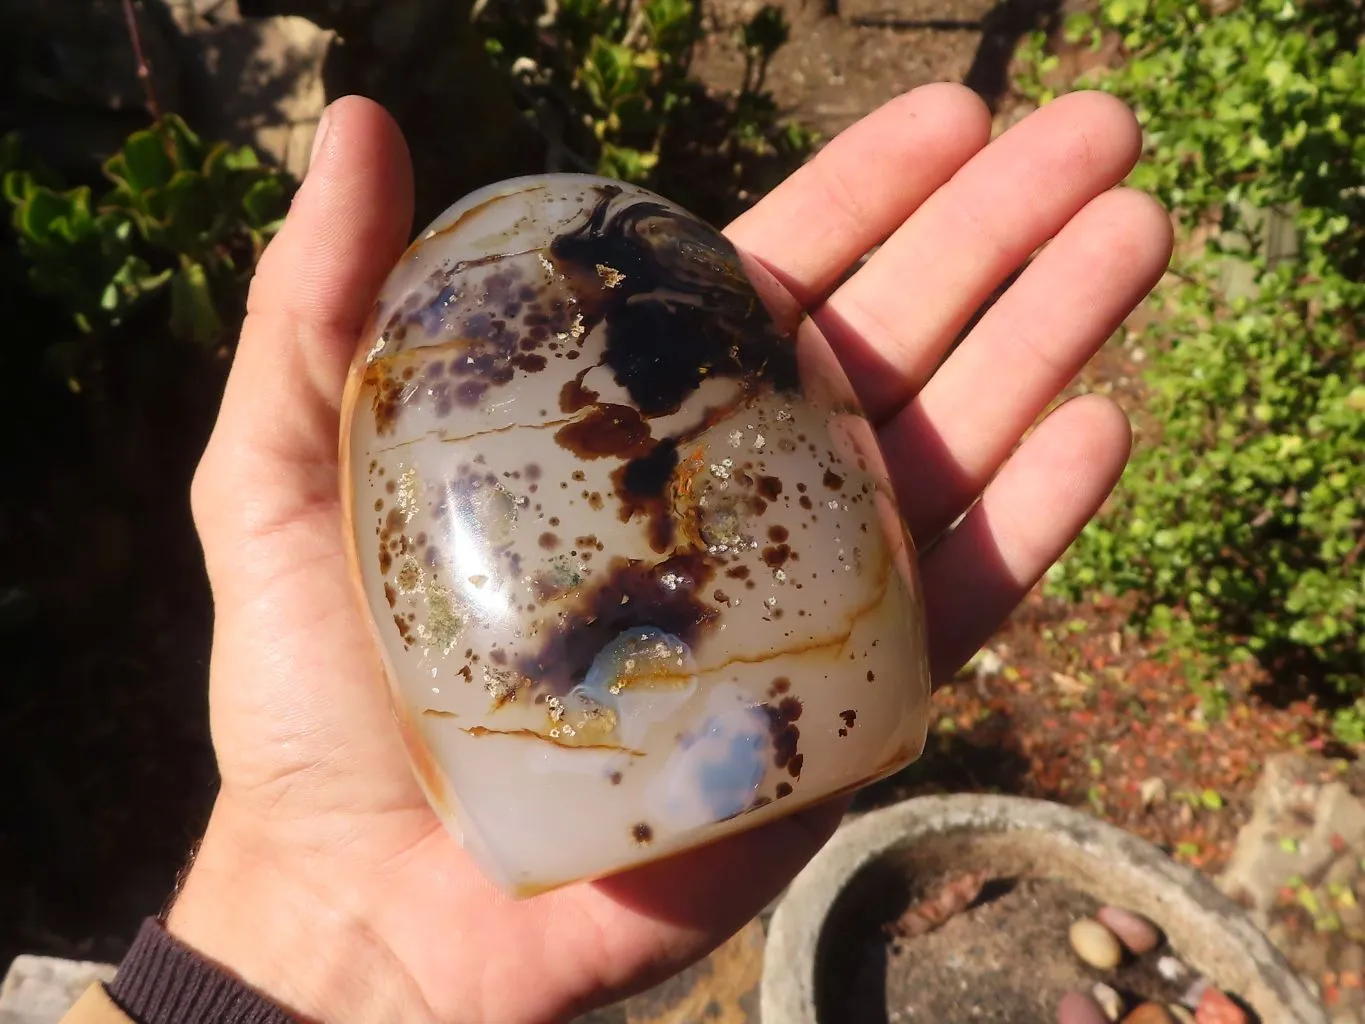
pixel 785 735
pixel 607 430
pixel 769 487
pixel 679 311
pixel 642 487
pixel 573 396
pixel 630 594
pixel 682 310
pixel 776 555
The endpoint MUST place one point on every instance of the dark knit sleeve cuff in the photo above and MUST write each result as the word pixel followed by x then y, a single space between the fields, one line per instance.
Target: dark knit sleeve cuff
pixel 163 981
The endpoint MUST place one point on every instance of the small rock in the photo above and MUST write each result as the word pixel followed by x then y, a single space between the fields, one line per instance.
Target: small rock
pixel 38 988
pixel 281 57
pixel 1170 968
pixel 987 663
pixel 1069 684
pixel 1136 933
pixel 1152 791
pixel 1180 1014
pixel 1298 827
pixel 1148 1013
pixel 1195 992
pixel 1109 999
pixel 1079 1008
pixel 1095 944
pixel 1217 1008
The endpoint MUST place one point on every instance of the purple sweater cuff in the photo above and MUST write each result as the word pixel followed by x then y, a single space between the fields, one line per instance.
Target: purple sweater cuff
pixel 163 981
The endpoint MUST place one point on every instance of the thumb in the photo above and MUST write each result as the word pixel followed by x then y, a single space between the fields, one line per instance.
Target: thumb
pixel 271 461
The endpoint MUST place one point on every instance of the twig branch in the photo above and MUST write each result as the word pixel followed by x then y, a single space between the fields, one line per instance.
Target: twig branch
pixel 638 24
pixel 144 70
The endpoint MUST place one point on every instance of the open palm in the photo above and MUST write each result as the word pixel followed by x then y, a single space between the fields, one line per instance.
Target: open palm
pixel 324 879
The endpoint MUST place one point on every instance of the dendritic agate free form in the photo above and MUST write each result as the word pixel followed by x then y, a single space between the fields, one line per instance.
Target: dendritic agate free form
pixel 630 551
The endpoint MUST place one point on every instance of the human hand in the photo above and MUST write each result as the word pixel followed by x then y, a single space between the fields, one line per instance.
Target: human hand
pixel 324 880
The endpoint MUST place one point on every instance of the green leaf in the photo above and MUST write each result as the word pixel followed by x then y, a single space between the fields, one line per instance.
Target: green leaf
pixel 39 215
pixel 143 164
pixel 136 279
pixel 215 166
pixel 184 146
pixel 265 202
pixel 672 27
pixel 241 159
pixel 1078 26
pixel 187 208
pixel 17 185
pixel 193 314
pixel 626 163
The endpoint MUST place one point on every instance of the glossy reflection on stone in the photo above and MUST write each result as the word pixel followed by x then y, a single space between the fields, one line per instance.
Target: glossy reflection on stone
pixel 630 551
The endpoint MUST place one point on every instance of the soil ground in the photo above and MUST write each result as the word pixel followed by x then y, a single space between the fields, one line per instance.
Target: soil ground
pixel 845 60
pixel 974 961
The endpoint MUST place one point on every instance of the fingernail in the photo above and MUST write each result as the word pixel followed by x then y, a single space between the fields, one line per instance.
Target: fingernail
pixel 320 135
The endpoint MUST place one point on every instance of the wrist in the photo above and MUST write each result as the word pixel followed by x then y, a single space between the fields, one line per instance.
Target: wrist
pixel 281 931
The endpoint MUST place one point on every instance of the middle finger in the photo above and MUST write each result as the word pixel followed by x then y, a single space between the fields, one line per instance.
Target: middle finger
pixel 893 320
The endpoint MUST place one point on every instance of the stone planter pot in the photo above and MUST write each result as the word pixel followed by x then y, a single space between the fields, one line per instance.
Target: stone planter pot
pixel 868 871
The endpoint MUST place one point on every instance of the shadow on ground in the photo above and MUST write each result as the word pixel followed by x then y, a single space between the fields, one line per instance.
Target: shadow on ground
pixel 981 762
pixel 1002 29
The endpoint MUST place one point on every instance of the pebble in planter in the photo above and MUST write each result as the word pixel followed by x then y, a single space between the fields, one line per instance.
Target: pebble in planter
pixel 1149 1013
pixel 1079 1008
pixel 1047 866
pixel 1102 943
pixel 1096 944
pixel 1109 999
pixel 1137 934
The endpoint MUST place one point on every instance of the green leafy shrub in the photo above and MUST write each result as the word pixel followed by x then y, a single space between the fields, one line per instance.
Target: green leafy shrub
pixel 1260 106
pixel 1240 523
pixel 182 220
pixel 608 80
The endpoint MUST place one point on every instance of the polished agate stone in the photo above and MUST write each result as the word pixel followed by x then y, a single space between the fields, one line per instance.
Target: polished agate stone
pixel 629 550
